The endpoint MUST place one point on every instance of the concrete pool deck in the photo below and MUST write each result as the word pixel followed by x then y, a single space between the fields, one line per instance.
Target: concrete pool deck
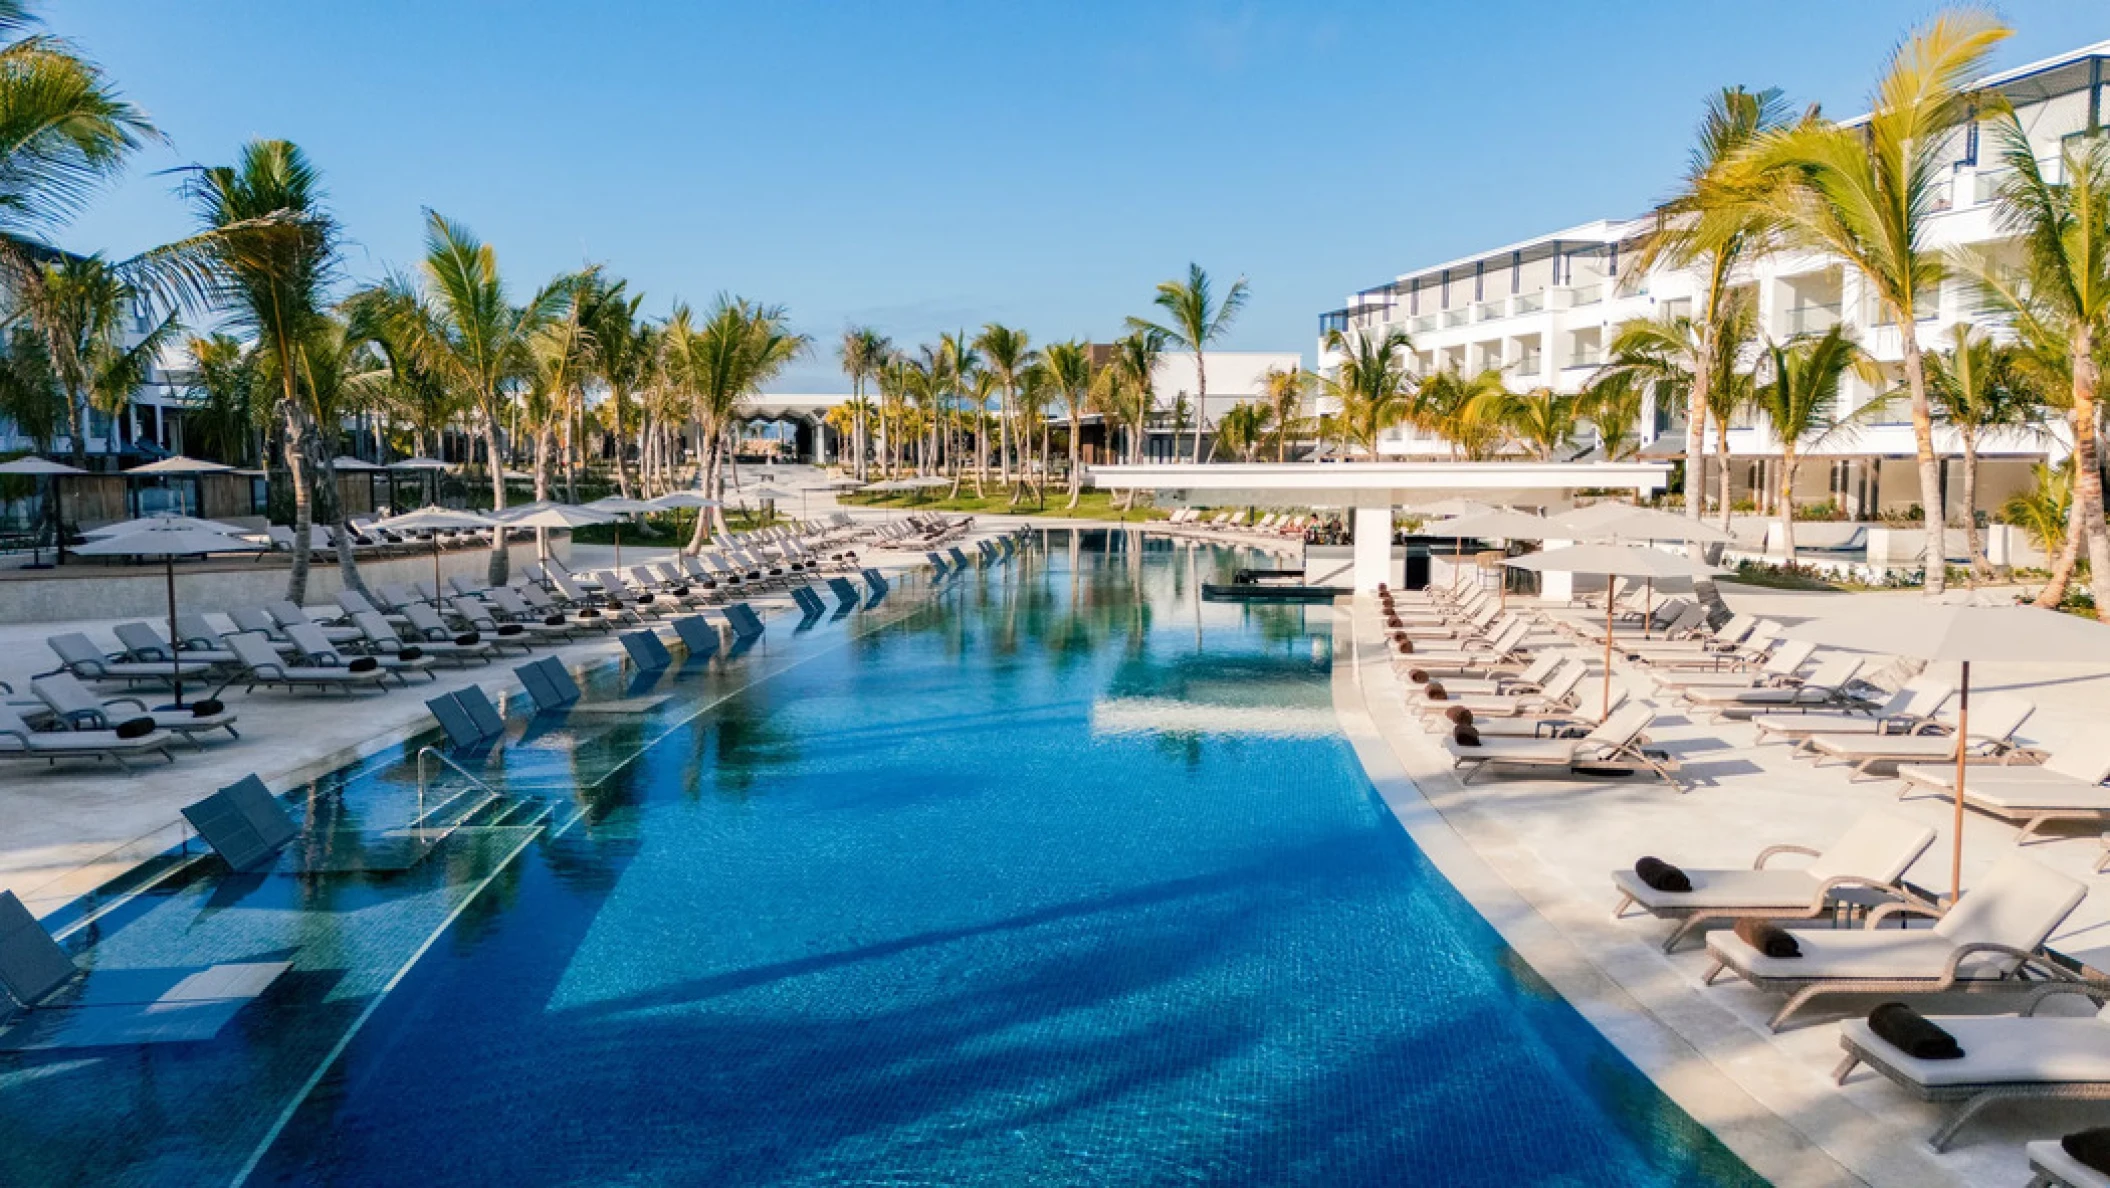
pixel 1534 855
pixel 69 829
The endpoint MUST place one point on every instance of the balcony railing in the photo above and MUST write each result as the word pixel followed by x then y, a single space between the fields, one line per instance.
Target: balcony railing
pixel 1813 317
pixel 1454 317
pixel 1588 294
pixel 1422 324
pixel 1589 356
pixel 1488 311
pixel 1529 302
pixel 1533 363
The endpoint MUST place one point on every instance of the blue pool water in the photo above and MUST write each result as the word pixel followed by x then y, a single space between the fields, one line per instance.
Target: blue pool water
pixel 1051 875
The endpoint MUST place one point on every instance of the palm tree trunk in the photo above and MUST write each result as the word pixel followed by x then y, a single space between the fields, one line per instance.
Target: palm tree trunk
pixel 1201 403
pixel 1722 484
pixel 347 560
pixel 2087 469
pixel 2054 591
pixel 1930 464
pixel 1076 466
pixel 1972 543
pixel 1003 437
pixel 1696 431
pixel 622 447
pixel 296 445
pixel 501 557
pixel 1788 466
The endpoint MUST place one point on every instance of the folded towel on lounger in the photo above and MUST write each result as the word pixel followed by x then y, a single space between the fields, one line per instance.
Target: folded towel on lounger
pixel 1913 1033
pixel 2090 1147
pixel 1661 875
pixel 1768 938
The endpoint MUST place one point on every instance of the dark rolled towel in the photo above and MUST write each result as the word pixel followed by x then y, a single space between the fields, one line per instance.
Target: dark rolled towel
pixel 2090 1147
pixel 644 599
pixel 1382 587
pixel 410 652
pixel 206 708
pixel 553 620
pixel 468 638
pixel 510 629
pixel 1913 1033
pixel 1459 715
pixel 1768 938
pixel 135 728
pixel 1465 734
pixel 1406 646
pixel 362 664
pixel 1661 875
pixel 1434 692
pixel 589 613
pixel 681 591
pixel 1394 622
pixel 1417 676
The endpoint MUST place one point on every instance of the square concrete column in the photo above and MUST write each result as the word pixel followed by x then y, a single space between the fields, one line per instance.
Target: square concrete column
pixel 1373 548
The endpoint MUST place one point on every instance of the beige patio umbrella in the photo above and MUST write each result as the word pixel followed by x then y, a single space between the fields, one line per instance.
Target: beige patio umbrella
pixel 169 541
pixel 617 507
pixel 31 466
pixel 1500 524
pixel 178 466
pixel 431 519
pixel 1938 631
pixel 1611 560
pixel 1625 521
pixel 557 515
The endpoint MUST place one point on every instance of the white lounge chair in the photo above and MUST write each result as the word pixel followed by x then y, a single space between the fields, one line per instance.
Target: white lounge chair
pixel 79 656
pixel 73 704
pixel 1825 685
pixel 1912 707
pixel 262 667
pixel 1781 666
pixel 1873 854
pixel 2025 1057
pixel 2068 786
pixel 18 741
pixel 1994 721
pixel 1614 746
pixel 1987 942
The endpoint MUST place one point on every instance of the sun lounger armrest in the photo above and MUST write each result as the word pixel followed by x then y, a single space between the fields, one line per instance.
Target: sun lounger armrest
pixel 2095 992
pixel 2023 958
pixel 11 732
pixel 1836 883
pixel 1929 910
pixel 134 702
pixel 1766 855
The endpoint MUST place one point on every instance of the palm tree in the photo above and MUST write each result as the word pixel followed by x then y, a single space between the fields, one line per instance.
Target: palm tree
pixel 82 306
pixel 1244 428
pixel 63 131
pixel 1542 420
pixel 1193 320
pixel 1680 355
pixel 740 347
pixel 226 406
pixel 1370 383
pixel 1613 404
pixel 1977 386
pixel 1453 407
pixel 1007 353
pixel 1124 391
pixel 1069 370
pixel 862 352
pixel 1801 401
pixel 1285 393
pixel 2045 511
pixel 622 353
pixel 2065 234
pixel 277 254
pixel 1864 194
pixel 1711 227
pixel 475 339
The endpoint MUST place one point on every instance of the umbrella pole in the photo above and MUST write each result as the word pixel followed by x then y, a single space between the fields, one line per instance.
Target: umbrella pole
pixel 618 544
pixel 1606 710
pixel 175 661
pixel 1963 742
pixel 435 568
pixel 1648 607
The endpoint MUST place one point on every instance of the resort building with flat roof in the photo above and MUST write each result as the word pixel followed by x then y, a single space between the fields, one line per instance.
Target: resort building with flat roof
pixel 1544 310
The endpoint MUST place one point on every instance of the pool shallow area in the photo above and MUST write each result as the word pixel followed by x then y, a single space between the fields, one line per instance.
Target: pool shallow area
pixel 1052 874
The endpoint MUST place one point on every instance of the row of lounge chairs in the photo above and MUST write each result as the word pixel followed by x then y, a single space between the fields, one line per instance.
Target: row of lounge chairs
pixel 1989 942
pixel 1273 524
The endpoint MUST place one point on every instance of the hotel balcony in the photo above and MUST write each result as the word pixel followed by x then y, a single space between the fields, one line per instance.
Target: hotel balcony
pixel 1813 317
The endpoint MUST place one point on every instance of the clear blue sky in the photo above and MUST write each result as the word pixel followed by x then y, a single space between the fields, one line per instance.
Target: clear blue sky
pixel 925 166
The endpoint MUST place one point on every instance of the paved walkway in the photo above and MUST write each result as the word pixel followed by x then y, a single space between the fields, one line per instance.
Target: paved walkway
pixel 1553 843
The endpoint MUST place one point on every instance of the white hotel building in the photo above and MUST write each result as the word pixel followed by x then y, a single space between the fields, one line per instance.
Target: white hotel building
pixel 1543 310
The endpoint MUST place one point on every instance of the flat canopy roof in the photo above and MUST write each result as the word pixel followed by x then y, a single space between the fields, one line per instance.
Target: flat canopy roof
pixel 1373 483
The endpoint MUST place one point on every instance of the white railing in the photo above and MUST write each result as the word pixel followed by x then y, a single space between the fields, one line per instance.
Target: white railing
pixel 1453 318
pixel 1423 324
pixel 1587 294
pixel 1529 302
pixel 1488 311
pixel 1813 317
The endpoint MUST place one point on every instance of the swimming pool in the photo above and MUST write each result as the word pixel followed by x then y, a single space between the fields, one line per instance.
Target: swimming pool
pixel 1053 874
